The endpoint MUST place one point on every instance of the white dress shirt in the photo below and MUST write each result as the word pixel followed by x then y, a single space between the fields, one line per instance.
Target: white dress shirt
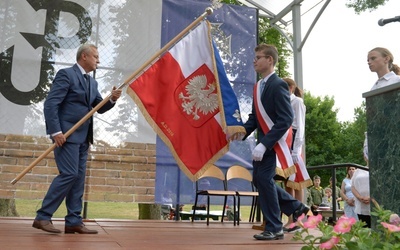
pixel 386 80
pixel 299 116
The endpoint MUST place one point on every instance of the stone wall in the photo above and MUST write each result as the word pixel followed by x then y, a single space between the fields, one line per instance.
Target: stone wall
pixel 123 174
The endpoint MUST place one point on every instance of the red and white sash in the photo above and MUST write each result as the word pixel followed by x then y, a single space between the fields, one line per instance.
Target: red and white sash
pixel 301 179
pixel 282 148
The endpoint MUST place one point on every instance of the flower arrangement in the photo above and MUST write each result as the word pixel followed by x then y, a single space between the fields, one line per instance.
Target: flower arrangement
pixel 351 234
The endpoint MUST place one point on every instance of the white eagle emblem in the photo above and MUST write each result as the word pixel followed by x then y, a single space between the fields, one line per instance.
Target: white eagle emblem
pixel 199 98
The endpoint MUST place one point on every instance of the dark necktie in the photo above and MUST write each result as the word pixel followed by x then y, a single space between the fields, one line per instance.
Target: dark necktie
pixel 87 80
pixel 86 76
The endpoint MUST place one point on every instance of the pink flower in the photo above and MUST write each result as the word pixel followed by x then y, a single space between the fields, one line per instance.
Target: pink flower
pixel 313 221
pixel 299 221
pixel 301 217
pixel 330 243
pixel 390 227
pixel 292 225
pixel 394 219
pixel 343 225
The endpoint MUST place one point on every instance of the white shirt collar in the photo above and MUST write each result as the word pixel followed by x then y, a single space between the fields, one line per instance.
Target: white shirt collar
pixel 82 70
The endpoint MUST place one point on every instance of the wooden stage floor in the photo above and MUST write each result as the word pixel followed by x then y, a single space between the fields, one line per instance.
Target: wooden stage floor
pixel 18 233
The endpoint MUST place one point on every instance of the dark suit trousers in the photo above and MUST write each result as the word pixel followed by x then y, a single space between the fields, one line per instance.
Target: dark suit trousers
pixel 272 198
pixel 69 184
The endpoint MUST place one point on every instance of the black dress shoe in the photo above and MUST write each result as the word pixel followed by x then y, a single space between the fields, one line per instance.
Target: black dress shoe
pixel 45 225
pixel 267 235
pixel 302 209
pixel 81 229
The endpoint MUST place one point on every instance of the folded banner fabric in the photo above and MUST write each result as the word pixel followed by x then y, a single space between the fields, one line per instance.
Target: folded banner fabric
pixel 187 99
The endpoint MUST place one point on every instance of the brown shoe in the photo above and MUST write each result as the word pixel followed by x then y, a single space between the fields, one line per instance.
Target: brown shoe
pixel 45 225
pixel 81 229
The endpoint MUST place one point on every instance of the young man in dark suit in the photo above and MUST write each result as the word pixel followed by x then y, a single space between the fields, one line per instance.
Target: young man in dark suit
pixel 272 117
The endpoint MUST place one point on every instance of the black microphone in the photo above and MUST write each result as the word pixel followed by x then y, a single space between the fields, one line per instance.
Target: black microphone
pixel 389 20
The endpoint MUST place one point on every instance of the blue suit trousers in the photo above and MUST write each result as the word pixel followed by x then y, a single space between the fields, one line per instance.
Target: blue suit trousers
pixel 71 161
pixel 272 198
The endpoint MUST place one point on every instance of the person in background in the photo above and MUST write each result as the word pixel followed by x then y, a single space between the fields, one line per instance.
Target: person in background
pixel 167 200
pixel 301 180
pixel 316 193
pixel 272 117
pixel 380 61
pixel 360 189
pixel 347 194
pixel 73 94
pixel 327 199
pixel 337 190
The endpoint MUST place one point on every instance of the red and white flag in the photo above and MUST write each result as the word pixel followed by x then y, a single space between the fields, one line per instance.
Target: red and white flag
pixel 180 96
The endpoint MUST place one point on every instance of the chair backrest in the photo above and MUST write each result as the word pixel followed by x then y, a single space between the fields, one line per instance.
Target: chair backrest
pixel 239 172
pixel 212 172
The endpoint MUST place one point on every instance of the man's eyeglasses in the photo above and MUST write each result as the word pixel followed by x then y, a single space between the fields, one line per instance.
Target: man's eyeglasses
pixel 259 57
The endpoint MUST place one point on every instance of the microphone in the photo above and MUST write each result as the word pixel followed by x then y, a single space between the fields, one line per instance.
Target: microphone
pixel 382 21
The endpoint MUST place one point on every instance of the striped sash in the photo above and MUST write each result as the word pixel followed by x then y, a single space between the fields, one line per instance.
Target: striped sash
pixel 285 166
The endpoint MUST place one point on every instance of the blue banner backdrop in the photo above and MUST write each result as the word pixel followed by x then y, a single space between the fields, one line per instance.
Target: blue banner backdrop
pixel 235 32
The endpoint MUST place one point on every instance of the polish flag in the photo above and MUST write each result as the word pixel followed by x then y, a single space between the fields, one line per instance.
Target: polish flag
pixel 185 96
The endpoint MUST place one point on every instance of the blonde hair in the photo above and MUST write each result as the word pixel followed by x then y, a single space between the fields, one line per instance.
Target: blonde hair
pixel 291 83
pixel 386 53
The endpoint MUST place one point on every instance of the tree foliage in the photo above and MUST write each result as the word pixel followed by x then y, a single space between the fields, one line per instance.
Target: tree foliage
pixel 270 35
pixel 350 145
pixel 364 5
pixel 322 130
pixel 328 141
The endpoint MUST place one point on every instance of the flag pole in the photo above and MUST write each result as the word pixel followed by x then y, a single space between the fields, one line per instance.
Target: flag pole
pixel 208 11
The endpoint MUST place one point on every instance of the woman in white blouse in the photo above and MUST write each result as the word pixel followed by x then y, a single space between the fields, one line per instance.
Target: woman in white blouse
pixel 380 61
pixel 296 183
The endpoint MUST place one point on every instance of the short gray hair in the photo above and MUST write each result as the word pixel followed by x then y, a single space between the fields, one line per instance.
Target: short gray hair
pixel 85 48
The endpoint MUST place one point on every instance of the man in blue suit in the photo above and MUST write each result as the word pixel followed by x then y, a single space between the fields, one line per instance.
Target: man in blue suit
pixel 272 117
pixel 73 94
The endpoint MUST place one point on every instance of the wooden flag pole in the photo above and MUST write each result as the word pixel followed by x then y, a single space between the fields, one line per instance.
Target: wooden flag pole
pixel 208 11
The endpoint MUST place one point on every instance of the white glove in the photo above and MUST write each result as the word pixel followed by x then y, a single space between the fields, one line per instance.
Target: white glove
pixel 258 152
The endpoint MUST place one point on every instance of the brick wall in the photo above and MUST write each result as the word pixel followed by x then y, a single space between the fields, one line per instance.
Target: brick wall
pixel 124 174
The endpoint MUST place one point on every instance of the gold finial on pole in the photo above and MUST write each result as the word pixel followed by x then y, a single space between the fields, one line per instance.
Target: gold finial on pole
pixel 209 10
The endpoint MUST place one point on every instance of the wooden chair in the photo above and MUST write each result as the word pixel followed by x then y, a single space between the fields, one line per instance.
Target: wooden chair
pixel 239 172
pixel 215 173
